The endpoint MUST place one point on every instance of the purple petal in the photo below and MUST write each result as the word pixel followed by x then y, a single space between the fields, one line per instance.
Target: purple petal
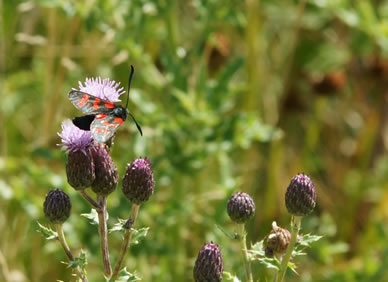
pixel 74 139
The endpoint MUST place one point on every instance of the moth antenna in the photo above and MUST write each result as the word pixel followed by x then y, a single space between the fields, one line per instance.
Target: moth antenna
pixel 129 84
pixel 137 125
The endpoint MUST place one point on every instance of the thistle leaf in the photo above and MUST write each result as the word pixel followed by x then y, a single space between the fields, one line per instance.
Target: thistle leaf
pixel 47 233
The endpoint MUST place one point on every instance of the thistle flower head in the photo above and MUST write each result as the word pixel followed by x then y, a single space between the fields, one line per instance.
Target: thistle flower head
pixel 208 266
pixel 300 195
pixel 276 242
pixel 104 89
pixel 57 206
pixel 241 207
pixel 74 139
pixel 138 182
pixel 105 170
pixel 80 169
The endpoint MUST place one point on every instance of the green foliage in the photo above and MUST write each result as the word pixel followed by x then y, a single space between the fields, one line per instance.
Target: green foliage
pixel 232 96
pixel 47 233
pixel 125 276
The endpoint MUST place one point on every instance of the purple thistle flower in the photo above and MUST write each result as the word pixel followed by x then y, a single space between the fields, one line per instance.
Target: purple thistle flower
pixel 103 89
pixel 74 139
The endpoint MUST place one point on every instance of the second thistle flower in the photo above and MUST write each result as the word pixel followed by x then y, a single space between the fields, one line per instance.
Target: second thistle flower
pixel 208 266
pixel 138 182
pixel 241 207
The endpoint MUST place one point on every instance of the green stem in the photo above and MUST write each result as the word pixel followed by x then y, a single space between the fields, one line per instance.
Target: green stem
pixel 244 250
pixel 295 226
pixel 126 242
pixel 62 240
pixel 102 216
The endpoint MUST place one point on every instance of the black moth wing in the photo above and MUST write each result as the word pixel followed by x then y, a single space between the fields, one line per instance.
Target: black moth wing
pixel 90 104
pixel 84 122
pixel 104 126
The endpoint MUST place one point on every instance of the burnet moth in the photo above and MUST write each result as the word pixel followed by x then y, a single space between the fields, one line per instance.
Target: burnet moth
pixel 103 117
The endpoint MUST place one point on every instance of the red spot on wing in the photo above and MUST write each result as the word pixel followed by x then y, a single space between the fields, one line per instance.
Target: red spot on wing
pixel 83 101
pixel 109 105
pixel 96 104
pixel 106 122
pixel 101 116
pixel 119 120
pixel 98 130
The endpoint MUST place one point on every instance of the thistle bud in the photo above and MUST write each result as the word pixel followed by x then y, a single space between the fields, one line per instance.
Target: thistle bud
pixel 300 195
pixel 241 207
pixel 208 266
pixel 57 206
pixel 276 242
pixel 105 170
pixel 80 169
pixel 138 182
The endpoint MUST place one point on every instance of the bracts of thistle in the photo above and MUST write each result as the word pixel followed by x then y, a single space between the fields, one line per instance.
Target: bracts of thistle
pixel 241 208
pixel 138 186
pixel 208 265
pixel 300 201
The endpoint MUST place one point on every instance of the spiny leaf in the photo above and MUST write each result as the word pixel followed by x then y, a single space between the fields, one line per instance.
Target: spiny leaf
pixel 230 277
pixel 47 233
pixel 125 276
pixel 119 226
pixel 80 261
pixel 93 216
pixel 139 234
pixel 307 239
pixel 273 263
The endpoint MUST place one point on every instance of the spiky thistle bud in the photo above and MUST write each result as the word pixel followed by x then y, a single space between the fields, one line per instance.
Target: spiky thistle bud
pixel 57 206
pixel 105 170
pixel 208 266
pixel 80 169
pixel 138 182
pixel 276 242
pixel 300 195
pixel 241 207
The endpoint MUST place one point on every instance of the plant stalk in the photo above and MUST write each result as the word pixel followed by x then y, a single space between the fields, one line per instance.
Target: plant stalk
pixel 244 250
pixel 102 224
pixel 90 199
pixel 65 246
pixel 126 241
pixel 295 226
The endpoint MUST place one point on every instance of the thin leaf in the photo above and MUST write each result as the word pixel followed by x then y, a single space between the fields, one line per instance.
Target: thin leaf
pixel 125 276
pixel 307 239
pixel 139 234
pixel 92 216
pixel 47 233
pixel 230 277
pixel 233 236
pixel 119 226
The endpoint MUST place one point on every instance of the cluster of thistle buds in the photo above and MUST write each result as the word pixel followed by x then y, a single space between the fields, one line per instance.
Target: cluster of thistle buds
pixel 89 165
pixel 300 200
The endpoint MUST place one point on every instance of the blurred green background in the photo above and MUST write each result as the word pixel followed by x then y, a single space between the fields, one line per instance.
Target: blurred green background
pixel 232 96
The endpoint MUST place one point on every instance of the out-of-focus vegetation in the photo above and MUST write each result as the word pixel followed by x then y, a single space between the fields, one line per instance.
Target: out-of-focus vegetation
pixel 231 95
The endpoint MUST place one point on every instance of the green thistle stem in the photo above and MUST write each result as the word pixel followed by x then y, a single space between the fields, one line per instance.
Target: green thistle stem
pixel 126 242
pixel 65 246
pixel 244 250
pixel 295 226
pixel 102 224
